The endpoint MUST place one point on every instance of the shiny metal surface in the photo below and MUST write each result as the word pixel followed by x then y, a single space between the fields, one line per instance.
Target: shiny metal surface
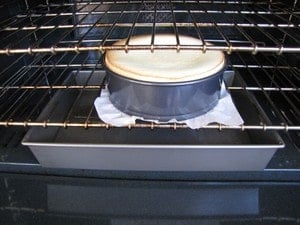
pixel 141 149
pixel 164 101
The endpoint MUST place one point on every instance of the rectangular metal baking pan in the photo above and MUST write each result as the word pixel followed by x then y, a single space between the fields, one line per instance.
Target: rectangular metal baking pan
pixel 142 148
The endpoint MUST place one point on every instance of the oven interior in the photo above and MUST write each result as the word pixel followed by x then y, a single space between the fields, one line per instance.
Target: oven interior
pixel 47 46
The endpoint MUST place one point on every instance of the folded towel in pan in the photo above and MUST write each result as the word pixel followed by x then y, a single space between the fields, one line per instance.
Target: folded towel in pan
pixel 224 112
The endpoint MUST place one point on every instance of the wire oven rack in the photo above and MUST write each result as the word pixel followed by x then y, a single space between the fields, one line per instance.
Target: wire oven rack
pixel 41 45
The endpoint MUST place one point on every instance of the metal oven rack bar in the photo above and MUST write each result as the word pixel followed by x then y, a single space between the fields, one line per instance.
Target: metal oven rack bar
pixel 7 117
pixel 262 37
pixel 260 17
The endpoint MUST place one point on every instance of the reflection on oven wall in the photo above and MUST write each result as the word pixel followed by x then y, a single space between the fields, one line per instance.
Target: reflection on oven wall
pixel 140 202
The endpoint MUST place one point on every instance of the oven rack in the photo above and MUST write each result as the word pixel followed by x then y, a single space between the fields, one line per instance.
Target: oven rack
pixel 256 35
pixel 257 27
pixel 39 80
pixel 151 125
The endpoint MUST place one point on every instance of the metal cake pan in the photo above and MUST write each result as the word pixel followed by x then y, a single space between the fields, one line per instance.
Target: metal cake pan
pixel 164 101
pixel 158 94
pixel 142 149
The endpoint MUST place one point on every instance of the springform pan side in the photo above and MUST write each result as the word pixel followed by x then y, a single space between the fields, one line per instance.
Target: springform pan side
pixel 164 101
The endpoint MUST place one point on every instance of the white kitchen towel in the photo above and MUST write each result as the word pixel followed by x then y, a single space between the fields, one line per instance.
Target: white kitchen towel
pixel 224 112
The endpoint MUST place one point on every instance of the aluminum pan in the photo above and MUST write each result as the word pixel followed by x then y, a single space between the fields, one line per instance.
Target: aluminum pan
pixel 145 149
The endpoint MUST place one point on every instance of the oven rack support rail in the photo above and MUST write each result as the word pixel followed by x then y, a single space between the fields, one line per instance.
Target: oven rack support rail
pixel 41 22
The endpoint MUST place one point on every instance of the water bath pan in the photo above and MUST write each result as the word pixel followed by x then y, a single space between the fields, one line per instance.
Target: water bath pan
pixel 143 149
